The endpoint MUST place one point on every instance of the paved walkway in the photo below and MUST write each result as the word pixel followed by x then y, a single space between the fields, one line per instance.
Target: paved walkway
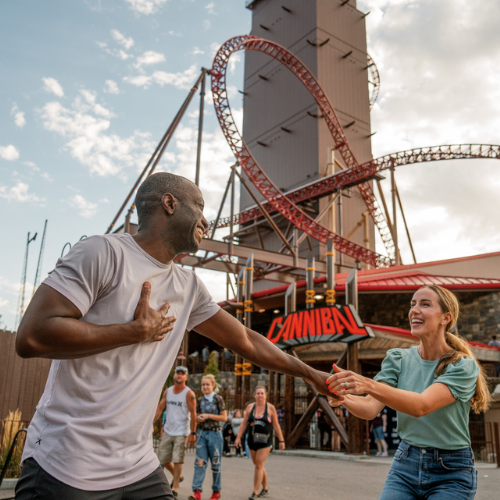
pixel 312 475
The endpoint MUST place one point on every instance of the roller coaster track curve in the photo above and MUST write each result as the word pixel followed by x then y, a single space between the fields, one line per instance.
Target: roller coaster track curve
pixel 329 184
pixel 258 177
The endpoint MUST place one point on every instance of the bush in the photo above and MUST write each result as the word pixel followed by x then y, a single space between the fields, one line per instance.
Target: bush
pixel 10 427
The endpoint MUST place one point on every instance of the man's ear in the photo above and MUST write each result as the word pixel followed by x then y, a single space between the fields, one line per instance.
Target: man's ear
pixel 169 203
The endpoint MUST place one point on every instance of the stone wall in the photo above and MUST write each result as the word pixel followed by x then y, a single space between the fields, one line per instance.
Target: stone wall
pixel 479 319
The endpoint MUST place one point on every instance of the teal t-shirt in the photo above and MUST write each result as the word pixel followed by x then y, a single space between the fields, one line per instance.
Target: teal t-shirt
pixel 446 428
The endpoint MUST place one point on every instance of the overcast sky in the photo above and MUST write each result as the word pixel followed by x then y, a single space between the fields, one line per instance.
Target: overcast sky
pixel 90 86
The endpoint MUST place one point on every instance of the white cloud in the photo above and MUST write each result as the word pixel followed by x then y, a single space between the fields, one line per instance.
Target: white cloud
pixel 431 94
pixel 111 87
pixel 19 119
pixel 197 51
pixel 119 53
pixel 19 192
pixel 145 7
pixel 148 58
pixel 85 208
pixel 210 8
pixel 10 291
pixel 173 33
pixel 122 39
pixel 183 80
pixel 206 24
pixel 9 152
pixel 52 85
pixel 86 128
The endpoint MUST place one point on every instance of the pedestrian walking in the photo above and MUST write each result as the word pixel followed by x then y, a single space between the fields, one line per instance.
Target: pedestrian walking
pixel 211 414
pixel 227 435
pixel 260 418
pixel 432 387
pixel 236 421
pixel 378 428
pixel 180 425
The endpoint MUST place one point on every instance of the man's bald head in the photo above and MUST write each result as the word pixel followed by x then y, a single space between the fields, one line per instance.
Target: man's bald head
pixel 150 192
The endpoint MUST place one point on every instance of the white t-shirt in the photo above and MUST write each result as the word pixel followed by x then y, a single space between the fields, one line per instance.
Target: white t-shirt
pixel 178 421
pixel 93 426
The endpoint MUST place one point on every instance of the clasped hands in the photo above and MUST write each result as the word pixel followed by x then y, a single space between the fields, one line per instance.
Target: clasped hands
pixel 344 382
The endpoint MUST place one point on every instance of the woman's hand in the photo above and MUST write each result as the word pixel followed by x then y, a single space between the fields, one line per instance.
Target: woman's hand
pixel 282 445
pixel 237 442
pixel 345 382
pixel 201 417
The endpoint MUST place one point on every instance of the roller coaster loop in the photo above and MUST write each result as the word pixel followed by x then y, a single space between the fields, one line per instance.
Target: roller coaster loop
pixel 257 176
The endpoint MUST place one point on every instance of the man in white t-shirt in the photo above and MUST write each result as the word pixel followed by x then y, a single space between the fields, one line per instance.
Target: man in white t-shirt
pixel 112 316
pixel 180 425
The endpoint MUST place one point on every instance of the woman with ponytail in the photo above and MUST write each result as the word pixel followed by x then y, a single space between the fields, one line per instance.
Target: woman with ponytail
pixel 432 387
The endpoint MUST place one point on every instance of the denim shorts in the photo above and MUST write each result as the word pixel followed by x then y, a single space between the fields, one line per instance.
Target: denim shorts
pixel 431 473
pixel 378 433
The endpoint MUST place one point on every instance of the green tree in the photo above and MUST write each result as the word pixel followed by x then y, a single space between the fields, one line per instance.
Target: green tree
pixel 212 366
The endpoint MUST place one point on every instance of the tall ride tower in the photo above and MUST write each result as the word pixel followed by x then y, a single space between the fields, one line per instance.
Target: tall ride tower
pixel 281 122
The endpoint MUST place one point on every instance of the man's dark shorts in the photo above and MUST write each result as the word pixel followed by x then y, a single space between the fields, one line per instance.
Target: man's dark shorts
pixel 36 484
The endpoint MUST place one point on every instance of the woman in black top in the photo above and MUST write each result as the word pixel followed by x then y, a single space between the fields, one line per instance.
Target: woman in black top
pixel 261 418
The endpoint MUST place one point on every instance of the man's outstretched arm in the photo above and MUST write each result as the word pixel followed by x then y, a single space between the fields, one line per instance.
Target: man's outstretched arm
pixel 228 332
pixel 51 328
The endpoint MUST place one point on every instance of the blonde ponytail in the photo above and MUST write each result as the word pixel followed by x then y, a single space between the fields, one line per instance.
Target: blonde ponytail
pixel 460 349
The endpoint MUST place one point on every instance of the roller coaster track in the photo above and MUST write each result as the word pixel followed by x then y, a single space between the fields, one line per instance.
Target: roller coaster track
pixel 257 176
pixel 331 183
pixel 374 80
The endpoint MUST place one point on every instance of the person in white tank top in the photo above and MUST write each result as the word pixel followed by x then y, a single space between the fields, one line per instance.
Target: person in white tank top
pixel 180 403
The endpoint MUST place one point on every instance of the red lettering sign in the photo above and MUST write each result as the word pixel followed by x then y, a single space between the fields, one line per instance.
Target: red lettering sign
pixel 326 324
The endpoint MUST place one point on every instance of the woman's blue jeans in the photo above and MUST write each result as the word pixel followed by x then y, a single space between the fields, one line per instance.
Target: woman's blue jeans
pixel 208 446
pixel 430 473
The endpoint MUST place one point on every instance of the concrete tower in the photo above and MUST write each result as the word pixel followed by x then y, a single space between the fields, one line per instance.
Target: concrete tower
pixel 281 123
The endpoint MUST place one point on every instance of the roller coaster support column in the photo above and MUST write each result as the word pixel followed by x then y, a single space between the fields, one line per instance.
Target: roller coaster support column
pixel 354 433
pixel 290 306
pixel 238 369
pixel 339 224
pixel 330 274
pixel 310 301
pixel 247 367
pixel 231 227
pixel 204 72
pixel 394 216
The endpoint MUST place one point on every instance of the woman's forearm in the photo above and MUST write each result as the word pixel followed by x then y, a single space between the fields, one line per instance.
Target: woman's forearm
pixel 363 407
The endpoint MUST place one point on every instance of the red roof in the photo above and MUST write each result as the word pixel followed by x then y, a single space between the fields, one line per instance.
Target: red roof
pixel 407 333
pixel 400 281
pixel 414 279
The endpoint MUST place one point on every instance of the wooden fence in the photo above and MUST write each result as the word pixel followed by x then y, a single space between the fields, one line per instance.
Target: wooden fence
pixel 22 381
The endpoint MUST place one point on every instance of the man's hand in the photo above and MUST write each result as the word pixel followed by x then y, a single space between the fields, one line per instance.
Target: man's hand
pixel 152 325
pixel 191 440
pixel 320 383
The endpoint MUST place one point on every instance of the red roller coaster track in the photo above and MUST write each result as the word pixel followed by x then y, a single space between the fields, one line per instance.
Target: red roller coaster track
pixel 257 176
pixel 329 184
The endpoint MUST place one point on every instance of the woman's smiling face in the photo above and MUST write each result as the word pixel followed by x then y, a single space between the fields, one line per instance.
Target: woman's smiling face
pixel 426 315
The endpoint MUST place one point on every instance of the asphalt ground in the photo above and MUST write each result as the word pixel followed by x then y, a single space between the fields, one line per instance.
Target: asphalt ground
pixel 304 475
